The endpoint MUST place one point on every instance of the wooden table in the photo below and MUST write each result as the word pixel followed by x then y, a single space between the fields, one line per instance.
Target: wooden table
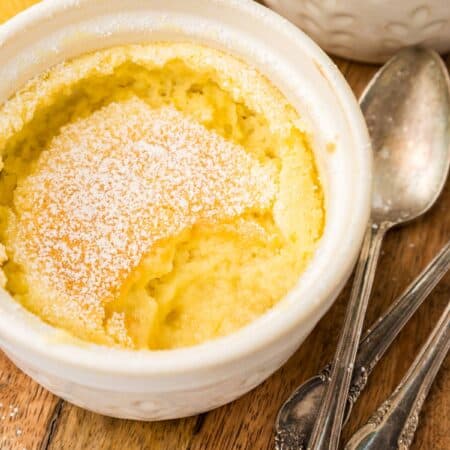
pixel 31 418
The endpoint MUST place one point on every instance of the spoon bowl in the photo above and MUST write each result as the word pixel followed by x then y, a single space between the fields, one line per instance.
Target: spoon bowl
pixel 406 107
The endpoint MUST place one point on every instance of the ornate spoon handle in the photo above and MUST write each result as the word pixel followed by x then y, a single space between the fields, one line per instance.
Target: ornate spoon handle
pixel 393 425
pixel 379 337
pixel 327 429
pixel 298 414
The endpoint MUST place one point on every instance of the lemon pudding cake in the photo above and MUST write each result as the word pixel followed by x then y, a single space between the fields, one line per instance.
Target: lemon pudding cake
pixel 154 196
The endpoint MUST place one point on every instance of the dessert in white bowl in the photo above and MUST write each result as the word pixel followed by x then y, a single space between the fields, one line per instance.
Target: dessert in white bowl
pixel 153 385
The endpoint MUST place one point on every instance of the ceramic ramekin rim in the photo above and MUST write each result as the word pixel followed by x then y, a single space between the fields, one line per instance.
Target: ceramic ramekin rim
pixel 273 325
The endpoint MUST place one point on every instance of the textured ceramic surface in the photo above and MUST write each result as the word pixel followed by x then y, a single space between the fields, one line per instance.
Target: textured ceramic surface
pixel 168 384
pixel 370 30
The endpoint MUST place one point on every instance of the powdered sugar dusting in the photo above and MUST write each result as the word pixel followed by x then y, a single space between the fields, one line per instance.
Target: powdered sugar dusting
pixel 113 184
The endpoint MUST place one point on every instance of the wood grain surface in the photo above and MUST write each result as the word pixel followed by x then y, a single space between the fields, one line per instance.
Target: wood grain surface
pixel 33 419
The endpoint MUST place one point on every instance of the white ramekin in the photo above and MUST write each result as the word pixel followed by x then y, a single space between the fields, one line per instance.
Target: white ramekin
pixel 168 384
pixel 368 30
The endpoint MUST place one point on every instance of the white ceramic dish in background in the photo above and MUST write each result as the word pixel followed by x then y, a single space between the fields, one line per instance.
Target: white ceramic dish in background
pixel 370 30
pixel 167 384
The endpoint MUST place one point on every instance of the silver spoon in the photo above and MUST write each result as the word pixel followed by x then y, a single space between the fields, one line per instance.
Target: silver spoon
pixel 395 422
pixel 296 417
pixel 407 107
pixel 407 112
